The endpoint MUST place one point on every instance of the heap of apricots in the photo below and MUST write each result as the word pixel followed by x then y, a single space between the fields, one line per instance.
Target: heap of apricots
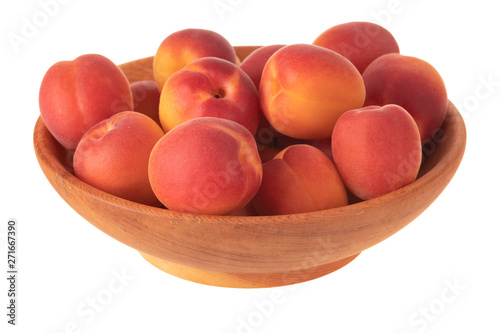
pixel 289 129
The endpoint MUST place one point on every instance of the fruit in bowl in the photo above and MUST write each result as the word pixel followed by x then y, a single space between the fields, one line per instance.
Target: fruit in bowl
pixel 75 95
pixel 376 149
pixel 206 165
pixel 299 179
pixel 411 83
pixel 305 88
pixel 230 243
pixel 254 64
pixel 146 97
pixel 360 42
pixel 184 46
pixel 113 156
pixel 209 87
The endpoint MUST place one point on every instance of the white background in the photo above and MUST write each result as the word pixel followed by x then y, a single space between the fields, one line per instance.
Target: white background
pixel 64 262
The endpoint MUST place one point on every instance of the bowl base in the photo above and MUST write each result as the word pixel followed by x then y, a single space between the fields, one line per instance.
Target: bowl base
pixel 235 280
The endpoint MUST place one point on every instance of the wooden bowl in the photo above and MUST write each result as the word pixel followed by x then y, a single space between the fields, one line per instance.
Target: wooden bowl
pixel 252 251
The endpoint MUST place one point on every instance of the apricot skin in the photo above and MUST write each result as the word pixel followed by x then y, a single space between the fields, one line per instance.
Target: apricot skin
pixel 299 179
pixel 184 46
pixel 75 95
pixel 210 87
pixel 254 64
pixel 305 88
pixel 206 165
pixel 413 84
pixel 146 99
pixel 113 156
pixel 360 42
pixel 376 150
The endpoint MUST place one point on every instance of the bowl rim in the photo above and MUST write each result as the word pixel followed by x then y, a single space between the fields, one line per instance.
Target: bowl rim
pixel 433 173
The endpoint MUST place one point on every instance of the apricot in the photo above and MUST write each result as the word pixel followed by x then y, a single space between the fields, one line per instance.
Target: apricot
pixel 412 83
pixel 113 156
pixel 305 88
pixel 299 179
pixel 146 99
pixel 360 42
pixel 182 47
pixel 376 150
pixel 75 95
pixel 206 165
pixel 210 87
pixel 254 64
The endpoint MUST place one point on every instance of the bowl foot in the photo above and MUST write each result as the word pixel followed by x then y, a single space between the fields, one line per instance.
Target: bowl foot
pixel 235 280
